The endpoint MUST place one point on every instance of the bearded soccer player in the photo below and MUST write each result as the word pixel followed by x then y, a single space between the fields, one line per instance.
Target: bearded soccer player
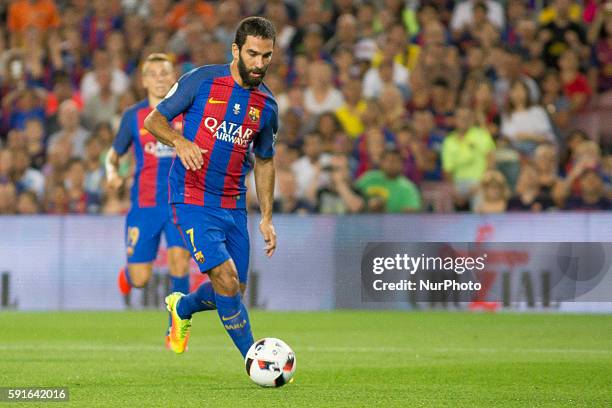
pixel 149 216
pixel 226 108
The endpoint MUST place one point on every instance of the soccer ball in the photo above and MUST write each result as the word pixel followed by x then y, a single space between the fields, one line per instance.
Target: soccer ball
pixel 270 362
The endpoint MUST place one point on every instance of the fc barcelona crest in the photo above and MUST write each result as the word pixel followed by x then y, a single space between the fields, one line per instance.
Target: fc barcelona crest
pixel 254 114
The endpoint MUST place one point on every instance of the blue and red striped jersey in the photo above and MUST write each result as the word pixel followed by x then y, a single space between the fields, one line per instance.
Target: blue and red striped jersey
pixel 225 119
pixel 153 158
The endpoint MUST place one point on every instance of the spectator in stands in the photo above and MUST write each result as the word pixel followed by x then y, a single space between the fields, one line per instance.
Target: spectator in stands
pixel 79 200
pixel 370 149
pixel 276 11
pixel 327 127
pixel 470 32
pixel 320 96
pixel 529 196
pixel 228 18
pixel 27 203
pixel 287 200
pixel 103 106
pixel 493 193
pixel 75 56
pixel 57 160
pixel 62 91
pixel 601 37
pixel 575 85
pixel 94 174
pixel 155 13
pixel 466 155
pixel 392 104
pixel 397 192
pixel 306 167
pixel 560 31
pixel 345 35
pixel 41 15
pixel 412 151
pixel 349 114
pixel 90 86
pixel 24 104
pixel 546 161
pixel 104 132
pixel 8 198
pixel 312 44
pixel 6 165
pixel 388 71
pixel 524 123
pixel 516 13
pixel 135 36
pixel 70 129
pixel 463 14
pixel 592 195
pixel 117 52
pixel 56 199
pixel 99 23
pixel 339 196
pixel 34 134
pixel 486 112
pixel 428 145
pixel 420 90
pixel 345 67
pixel 25 177
pixel 557 105
pixel 509 67
pixel 443 104
pixel 559 194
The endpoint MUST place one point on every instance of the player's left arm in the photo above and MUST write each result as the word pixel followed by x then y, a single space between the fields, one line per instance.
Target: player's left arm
pixel 264 180
pixel 264 184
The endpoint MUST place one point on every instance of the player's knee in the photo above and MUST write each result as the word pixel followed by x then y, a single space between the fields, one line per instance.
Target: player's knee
pixel 178 262
pixel 139 275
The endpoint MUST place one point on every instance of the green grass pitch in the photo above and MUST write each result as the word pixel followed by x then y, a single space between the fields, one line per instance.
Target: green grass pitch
pixel 344 359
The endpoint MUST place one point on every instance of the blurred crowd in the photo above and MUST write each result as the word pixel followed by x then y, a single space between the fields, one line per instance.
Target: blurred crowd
pixel 385 106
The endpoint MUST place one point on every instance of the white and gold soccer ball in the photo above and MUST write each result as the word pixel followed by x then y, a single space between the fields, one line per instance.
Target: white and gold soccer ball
pixel 270 362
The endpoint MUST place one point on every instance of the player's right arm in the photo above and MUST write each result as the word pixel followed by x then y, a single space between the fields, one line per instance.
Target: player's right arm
pixel 179 99
pixel 113 179
pixel 188 152
pixel 121 144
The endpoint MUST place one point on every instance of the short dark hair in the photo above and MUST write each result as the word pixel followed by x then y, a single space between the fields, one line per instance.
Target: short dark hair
pixel 256 27
pixel 441 82
pixel 391 151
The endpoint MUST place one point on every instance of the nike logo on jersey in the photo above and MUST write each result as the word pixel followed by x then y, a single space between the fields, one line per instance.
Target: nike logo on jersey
pixel 214 101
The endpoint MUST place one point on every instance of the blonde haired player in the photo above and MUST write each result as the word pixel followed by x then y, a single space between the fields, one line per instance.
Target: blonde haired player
pixel 149 215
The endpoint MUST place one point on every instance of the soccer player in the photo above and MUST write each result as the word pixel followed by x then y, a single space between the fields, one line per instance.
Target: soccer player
pixel 226 109
pixel 149 216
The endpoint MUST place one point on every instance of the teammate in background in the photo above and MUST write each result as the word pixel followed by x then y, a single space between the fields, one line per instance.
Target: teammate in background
pixel 226 108
pixel 149 216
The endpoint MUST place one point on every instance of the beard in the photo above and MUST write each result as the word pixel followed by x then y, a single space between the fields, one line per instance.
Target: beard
pixel 245 74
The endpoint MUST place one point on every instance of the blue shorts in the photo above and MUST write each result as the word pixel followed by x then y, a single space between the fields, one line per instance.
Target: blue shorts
pixel 214 235
pixel 143 230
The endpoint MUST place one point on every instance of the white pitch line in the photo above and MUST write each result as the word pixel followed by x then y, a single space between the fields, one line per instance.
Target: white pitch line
pixel 312 349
